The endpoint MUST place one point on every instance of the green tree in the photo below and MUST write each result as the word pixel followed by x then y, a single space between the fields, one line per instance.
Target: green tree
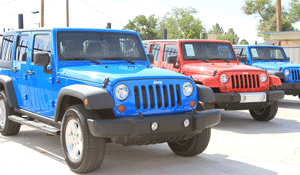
pixel 230 35
pixel 267 13
pixel 217 29
pixel 182 24
pixel 244 42
pixel 146 27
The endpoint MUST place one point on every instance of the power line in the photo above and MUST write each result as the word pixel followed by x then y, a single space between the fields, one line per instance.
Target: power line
pixel 101 12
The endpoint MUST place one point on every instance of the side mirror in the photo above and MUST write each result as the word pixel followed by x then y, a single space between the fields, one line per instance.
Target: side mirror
pixel 242 59
pixel 172 59
pixel 41 59
pixel 150 57
pixel 289 59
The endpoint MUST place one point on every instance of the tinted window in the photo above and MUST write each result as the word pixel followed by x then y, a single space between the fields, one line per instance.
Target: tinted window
pixel 7 48
pixel 21 49
pixel 99 46
pixel 267 53
pixel 41 44
pixel 207 51
pixel 240 52
pixel 169 50
pixel 155 49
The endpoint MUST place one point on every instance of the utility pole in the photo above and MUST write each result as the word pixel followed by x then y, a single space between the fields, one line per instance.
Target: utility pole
pixel 42 13
pixel 278 13
pixel 67 6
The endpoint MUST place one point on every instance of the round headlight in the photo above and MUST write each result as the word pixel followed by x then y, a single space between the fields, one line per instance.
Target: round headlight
pixel 121 92
pixel 224 78
pixel 286 72
pixel 187 89
pixel 263 77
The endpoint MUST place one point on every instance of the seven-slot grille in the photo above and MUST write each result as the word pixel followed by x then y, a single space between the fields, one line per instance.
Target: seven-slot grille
pixel 157 96
pixel 295 75
pixel 245 81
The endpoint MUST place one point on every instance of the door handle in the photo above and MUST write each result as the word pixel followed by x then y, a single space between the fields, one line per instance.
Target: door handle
pixel 30 72
pixel 14 70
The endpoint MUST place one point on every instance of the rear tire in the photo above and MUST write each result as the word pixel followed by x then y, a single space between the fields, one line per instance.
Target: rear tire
pixel 83 152
pixel 7 127
pixel 265 114
pixel 192 146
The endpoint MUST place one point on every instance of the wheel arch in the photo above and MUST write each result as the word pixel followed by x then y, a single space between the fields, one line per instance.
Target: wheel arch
pixel 96 98
pixel 7 85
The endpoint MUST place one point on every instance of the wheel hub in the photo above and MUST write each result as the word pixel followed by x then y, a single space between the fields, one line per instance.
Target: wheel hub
pixel 74 141
pixel 2 113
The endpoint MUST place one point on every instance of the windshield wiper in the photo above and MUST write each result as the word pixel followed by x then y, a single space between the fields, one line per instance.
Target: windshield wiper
pixel 89 59
pixel 262 59
pixel 204 61
pixel 118 58
pixel 220 59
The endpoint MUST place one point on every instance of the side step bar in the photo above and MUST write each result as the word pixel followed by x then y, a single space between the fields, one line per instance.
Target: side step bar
pixel 35 124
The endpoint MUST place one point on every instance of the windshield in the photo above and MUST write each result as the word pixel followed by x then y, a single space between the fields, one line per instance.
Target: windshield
pixel 207 51
pixel 99 46
pixel 267 53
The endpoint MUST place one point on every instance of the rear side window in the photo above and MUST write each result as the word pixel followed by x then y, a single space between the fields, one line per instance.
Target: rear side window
pixel 41 44
pixel 7 48
pixel 170 49
pixel 155 49
pixel 21 49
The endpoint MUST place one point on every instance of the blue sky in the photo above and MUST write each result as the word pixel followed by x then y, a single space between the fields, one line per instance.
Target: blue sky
pixel 96 13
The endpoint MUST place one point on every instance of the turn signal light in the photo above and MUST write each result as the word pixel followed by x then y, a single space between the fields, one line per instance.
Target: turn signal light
pixel 192 103
pixel 86 101
pixel 121 108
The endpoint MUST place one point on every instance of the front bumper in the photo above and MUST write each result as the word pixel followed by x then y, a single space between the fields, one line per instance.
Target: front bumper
pixel 290 88
pixel 231 101
pixel 137 131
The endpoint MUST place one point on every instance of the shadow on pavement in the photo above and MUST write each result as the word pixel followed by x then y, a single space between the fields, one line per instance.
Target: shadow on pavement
pixel 290 104
pixel 242 122
pixel 151 159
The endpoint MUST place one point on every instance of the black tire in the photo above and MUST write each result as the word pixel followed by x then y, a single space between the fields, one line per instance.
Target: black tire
pixel 192 146
pixel 205 106
pixel 91 155
pixel 265 114
pixel 7 127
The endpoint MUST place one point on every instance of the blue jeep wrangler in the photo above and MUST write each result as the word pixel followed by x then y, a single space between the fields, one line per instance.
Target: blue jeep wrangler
pixel 96 86
pixel 274 60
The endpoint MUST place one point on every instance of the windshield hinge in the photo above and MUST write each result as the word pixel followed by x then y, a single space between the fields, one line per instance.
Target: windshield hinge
pixel 106 80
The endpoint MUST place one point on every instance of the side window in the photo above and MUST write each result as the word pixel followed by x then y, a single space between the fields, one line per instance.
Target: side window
pixel 170 49
pixel 238 51
pixel 7 48
pixel 41 44
pixel 21 49
pixel 155 49
pixel 244 53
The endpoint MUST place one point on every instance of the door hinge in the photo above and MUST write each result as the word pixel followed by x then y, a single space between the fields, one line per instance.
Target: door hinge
pixel 51 80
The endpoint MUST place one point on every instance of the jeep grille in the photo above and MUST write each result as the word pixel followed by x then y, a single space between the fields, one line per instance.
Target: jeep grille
pixel 242 81
pixel 157 96
pixel 295 75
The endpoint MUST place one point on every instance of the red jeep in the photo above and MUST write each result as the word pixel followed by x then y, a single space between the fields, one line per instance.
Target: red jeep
pixel 215 64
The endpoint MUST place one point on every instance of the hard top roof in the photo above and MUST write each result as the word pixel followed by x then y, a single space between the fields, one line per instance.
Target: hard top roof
pixel 176 40
pixel 66 29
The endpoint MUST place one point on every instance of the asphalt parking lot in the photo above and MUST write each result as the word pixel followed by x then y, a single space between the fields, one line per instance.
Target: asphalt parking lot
pixel 239 145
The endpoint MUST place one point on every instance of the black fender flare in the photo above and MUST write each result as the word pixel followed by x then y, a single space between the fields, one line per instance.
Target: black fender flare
pixel 279 74
pixel 98 98
pixel 7 83
pixel 205 94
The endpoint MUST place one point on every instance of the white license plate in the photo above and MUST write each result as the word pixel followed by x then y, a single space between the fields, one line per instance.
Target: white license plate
pixel 253 97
